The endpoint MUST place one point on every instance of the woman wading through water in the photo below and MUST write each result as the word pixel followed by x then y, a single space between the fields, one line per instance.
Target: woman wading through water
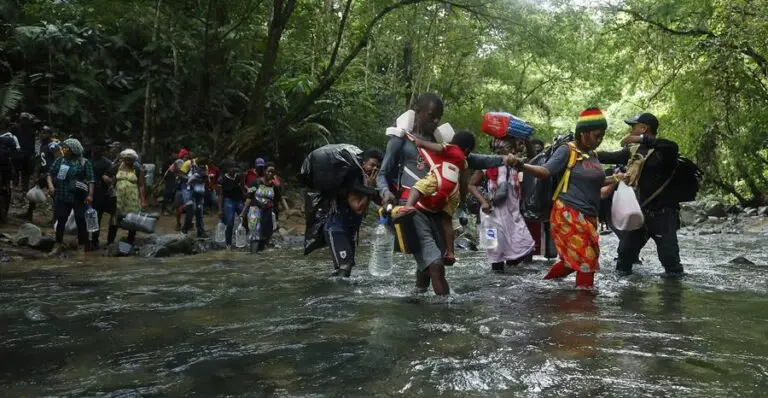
pixel 403 165
pixel 577 199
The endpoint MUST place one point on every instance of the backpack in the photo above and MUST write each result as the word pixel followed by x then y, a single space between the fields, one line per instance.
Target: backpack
pixel 537 193
pixel 686 178
pixel 331 167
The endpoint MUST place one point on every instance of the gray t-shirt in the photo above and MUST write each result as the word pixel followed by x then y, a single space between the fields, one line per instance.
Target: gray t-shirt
pixel 587 177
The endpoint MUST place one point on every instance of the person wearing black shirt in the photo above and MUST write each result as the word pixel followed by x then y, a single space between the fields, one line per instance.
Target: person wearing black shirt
pixel 231 197
pixel 660 207
pixel 103 199
pixel 24 130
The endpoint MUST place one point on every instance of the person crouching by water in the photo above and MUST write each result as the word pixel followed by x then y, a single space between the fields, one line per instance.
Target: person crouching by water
pixel 403 165
pixel 263 196
pixel 503 184
pixel 130 188
pixel 231 197
pixel 71 184
pixel 577 199
pixel 439 190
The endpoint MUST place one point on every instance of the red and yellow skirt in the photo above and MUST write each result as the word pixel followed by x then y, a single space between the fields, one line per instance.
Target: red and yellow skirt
pixel 578 244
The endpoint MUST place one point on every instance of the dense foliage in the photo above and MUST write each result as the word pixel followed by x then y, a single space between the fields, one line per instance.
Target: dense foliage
pixel 279 77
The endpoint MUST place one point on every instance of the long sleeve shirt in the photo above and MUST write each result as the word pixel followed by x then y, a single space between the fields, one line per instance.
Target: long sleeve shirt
pixel 403 165
pixel 658 168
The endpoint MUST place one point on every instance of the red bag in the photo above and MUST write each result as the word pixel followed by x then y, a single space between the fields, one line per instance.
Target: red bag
pixel 496 123
pixel 503 124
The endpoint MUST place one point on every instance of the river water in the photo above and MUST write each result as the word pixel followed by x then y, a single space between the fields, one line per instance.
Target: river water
pixel 276 325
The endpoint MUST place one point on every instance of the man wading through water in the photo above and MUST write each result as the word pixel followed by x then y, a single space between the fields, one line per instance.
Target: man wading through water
pixel 651 162
pixel 401 168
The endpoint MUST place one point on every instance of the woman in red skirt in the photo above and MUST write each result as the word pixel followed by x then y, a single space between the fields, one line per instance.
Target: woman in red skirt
pixel 573 221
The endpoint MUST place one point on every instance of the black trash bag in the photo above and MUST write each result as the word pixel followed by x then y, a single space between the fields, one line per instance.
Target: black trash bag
pixel 331 167
pixel 316 210
pixel 537 193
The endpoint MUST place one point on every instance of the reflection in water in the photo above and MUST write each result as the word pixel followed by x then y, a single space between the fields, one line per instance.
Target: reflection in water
pixel 231 324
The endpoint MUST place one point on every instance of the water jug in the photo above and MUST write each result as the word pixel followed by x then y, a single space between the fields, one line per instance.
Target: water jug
pixel 380 263
pixel 241 236
pixel 488 234
pixel 221 232
pixel 91 219
pixel 140 222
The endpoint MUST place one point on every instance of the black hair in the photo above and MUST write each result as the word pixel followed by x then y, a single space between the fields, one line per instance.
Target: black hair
pixel 464 139
pixel 270 164
pixel 373 153
pixel 426 99
pixel 537 141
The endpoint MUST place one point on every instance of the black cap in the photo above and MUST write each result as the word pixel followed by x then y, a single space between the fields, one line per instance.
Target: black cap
pixel 645 118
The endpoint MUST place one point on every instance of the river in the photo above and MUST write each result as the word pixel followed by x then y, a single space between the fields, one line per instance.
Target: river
pixel 275 324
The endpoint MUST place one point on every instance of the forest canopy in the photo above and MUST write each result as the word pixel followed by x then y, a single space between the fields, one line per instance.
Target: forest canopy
pixel 281 77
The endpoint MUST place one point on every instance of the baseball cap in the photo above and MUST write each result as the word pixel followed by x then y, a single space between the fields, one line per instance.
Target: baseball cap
pixel 645 118
pixel 260 162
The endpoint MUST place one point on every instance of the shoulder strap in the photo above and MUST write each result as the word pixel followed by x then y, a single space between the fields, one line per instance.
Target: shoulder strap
pixel 574 156
pixel 661 188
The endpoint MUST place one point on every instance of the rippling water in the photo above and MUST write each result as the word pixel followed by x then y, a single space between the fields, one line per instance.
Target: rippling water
pixel 276 324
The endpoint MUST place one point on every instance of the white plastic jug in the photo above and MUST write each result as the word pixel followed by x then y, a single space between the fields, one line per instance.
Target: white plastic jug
pixel 488 238
pixel 626 214
pixel 91 219
pixel 380 263
pixel 221 232
pixel 241 236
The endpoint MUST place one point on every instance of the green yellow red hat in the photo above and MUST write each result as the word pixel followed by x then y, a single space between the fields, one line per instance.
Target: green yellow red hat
pixel 591 119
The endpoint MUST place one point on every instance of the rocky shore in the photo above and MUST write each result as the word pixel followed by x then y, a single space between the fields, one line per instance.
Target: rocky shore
pixel 30 241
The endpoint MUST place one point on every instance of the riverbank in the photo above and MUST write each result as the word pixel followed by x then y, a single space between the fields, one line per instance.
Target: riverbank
pixel 32 239
pixel 22 239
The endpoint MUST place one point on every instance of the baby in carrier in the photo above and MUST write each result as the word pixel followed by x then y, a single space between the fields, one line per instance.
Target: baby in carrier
pixel 439 190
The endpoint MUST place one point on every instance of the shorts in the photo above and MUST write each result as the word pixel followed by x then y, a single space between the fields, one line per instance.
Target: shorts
pixel 340 233
pixel 431 241
pixel 428 186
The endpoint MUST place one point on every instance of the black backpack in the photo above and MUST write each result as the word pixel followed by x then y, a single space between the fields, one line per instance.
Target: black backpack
pixel 537 193
pixel 686 180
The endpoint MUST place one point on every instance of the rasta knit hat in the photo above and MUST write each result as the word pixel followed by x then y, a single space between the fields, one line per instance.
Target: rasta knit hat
pixel 591 119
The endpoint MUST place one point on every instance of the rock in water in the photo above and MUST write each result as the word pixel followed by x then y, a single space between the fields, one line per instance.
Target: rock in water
pixel 155 251
pixel 176 243
pixel 741 260
pixel 45 244
pixel 762 211
pixel 29 234
pixel 714 209
pixel 750 212
pixel 733 209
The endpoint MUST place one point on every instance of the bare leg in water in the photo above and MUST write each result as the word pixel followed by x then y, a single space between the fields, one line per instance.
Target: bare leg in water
pixel 435 274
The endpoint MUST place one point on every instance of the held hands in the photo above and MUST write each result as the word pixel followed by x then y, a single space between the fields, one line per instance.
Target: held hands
pixel 511 161
pixel 388 199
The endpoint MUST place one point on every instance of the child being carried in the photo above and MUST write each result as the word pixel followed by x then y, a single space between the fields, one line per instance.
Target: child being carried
pixel 439 190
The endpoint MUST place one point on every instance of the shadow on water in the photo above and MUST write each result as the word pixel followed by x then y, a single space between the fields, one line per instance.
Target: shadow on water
pixel 275 324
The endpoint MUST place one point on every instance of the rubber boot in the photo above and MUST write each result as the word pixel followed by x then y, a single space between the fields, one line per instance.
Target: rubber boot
pixel 585 280
pixel 559 270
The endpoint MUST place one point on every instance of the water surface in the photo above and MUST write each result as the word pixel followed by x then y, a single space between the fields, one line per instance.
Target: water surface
pixel 276 325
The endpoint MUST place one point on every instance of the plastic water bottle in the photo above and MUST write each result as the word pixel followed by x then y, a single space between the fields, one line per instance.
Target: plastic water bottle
pixel 240 234
pixel 221 232
pixel 91 219
pixel 488 234
pixel 380 263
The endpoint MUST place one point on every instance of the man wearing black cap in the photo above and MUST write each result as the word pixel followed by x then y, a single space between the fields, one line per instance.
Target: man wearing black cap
pixel 652 162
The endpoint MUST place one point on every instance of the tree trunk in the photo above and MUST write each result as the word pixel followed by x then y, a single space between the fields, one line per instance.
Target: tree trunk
pixel 281 14
pixel 147 134
pixel 408 72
